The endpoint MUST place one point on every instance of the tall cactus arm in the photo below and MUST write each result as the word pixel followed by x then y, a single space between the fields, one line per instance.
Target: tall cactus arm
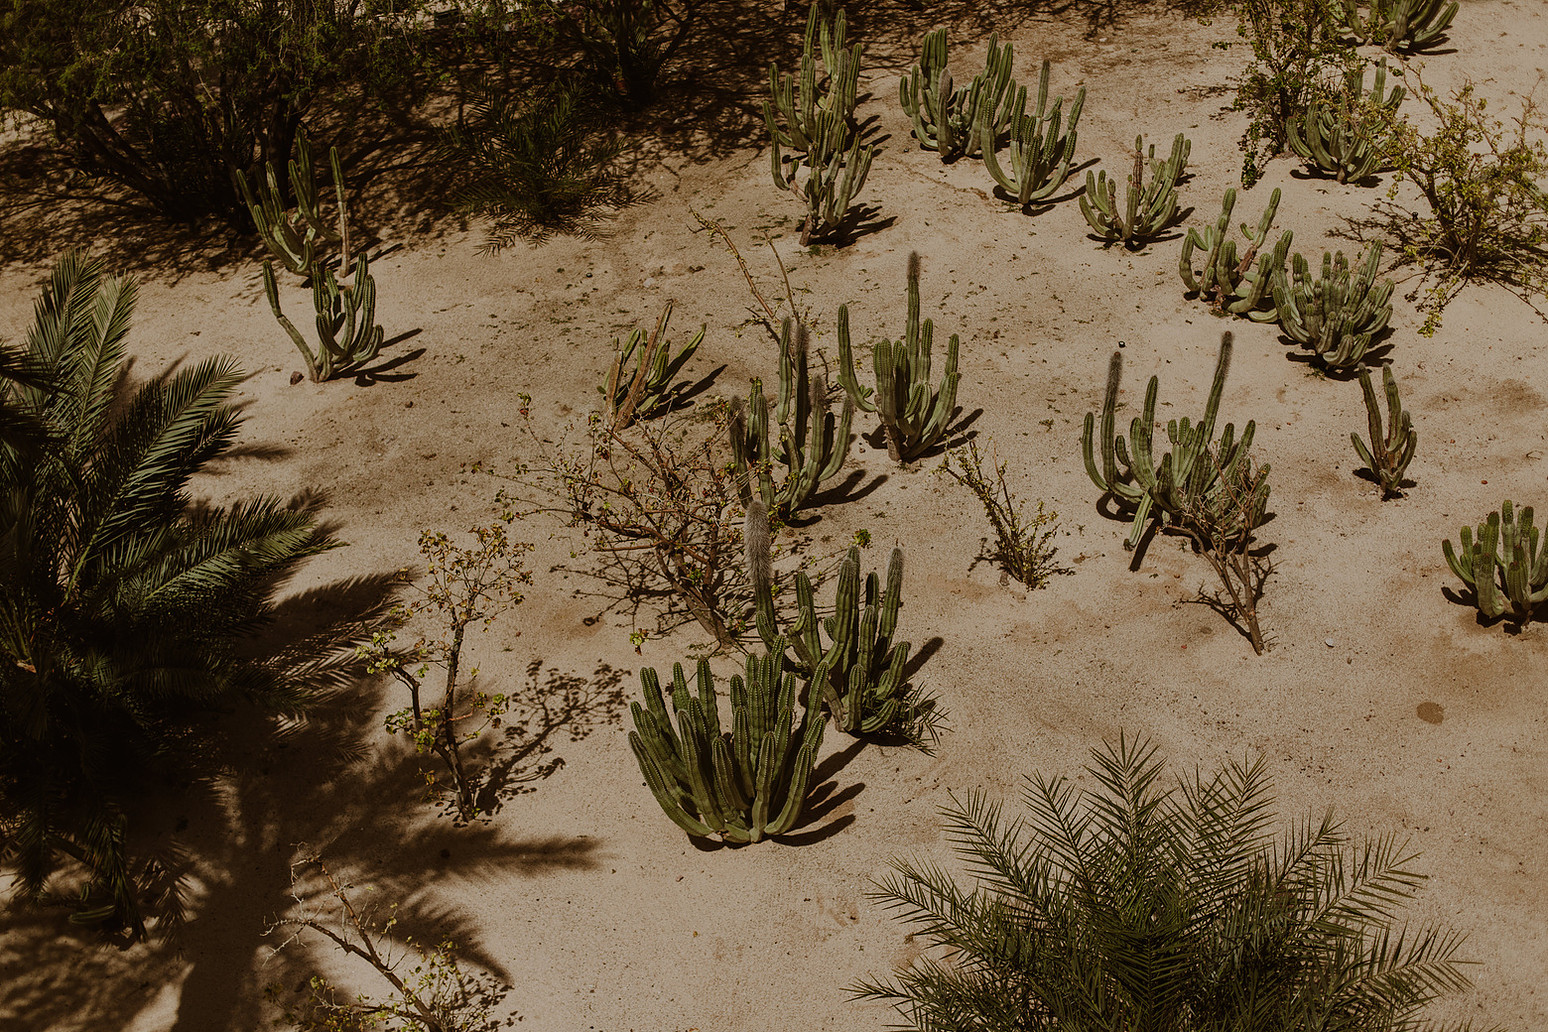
pixel 674 802
pixel 314 368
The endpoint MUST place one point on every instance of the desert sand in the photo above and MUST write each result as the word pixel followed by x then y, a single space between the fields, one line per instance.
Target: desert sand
pixel 1380 696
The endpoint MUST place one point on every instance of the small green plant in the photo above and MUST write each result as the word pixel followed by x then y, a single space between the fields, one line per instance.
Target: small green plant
pixel 914 413
pixel 1237 284
pixel 293 237
pixel 1402 26
pixel 1149 208
pixel 642 380
pixel 534 164
pixel 1348 134
pixel 347 334
pixel 1391 449
pixel 1482 181
pixel 951 121
pixel 1040 151
pixel 793 114
pixel 1023 548
pixel 467 585
pixel 1139 904
pixel 744 786
pixel 624 45
pixel 1508 549
pixel 827 178
pixel 1337 314
pixel 1195 470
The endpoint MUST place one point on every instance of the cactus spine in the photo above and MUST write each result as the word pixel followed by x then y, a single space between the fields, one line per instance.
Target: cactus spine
pixel 744 786
pixel 811 444
pixel 1338 313
pixel 1399 25
pixel 799 110
pixel 1522 567
pixel 1188 478
pixel 294 237
pixel 1347 139
pixel 832 178
pixel 1391 449
pixel 1149 207
pixel 347 333
pixel 1039 156
pixel 913 413
pixel 641 380
pixel 954 122
pixel 1238 284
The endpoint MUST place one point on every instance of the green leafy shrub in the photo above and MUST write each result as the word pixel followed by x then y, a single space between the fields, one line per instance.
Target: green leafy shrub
pixel 1022 547
pixel 624 45
pixel 535 164
pixel 1138 904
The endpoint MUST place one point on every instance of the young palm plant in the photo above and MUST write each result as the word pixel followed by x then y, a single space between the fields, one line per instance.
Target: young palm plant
pixel 1143 905
pixel 126 611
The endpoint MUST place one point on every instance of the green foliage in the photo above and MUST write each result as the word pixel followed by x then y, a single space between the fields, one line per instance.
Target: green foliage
pixel 1238 284
pixel 642 380
pixel 168 99
pixel 535 164
pixel 1297 45
pixel 624 45
pixel 1392 449
pixel 1188 478
pixel 1222 523
pixel 127 611
pixel 827 178
pixel 1023 548
pixel 1481 180
pixel 955 122
pixel 1348 133
pixel 466 586
pixel 801 112
pixel 744 786
pixel 1510 550
pixel 347 334
pixel 1149 208
pixel 1040 151
pixel 1336 314
pixel 293 237
pixel 914 413
pixel 1402 26
pixel 803 436
pixel 1136 904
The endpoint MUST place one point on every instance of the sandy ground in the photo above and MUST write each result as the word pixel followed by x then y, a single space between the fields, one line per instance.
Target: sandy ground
pixel 1380 696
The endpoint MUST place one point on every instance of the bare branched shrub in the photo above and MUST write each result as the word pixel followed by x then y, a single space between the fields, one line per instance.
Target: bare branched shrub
pixel 1023 548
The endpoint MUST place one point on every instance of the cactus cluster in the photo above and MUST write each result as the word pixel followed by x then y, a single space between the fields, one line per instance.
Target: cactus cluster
pixel 1348 136
pixel 347 334
pixel 914 412
pixel 1399 25
pixel 643 377
pixel 295 237
pixel 1149 207
pixel 1338 313
pixel 794 111
pixel 745 785
pixel 803 436
pixel 1188 478
pixel 1504 566
pixel 827 178
pixel 954 121
pixel 1241 284
pixel 1040 149
pixel 1391 449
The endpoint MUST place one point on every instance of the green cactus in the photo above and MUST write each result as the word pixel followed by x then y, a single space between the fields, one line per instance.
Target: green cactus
pixel 808 441
pixel 1149 207
pixel 955 122
pixel 1238 284
pixel 1187 478
pixel 1522 583
pixel 643 377
pixel 914 413
pixel 1039 155
pixel 1391 449
pixel 294 238
pixel 744 786
pixel 1399 25
pixel 1346 135
pixel 799 108
pixel 1336 314
pixel 347 333
pixel 832 177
